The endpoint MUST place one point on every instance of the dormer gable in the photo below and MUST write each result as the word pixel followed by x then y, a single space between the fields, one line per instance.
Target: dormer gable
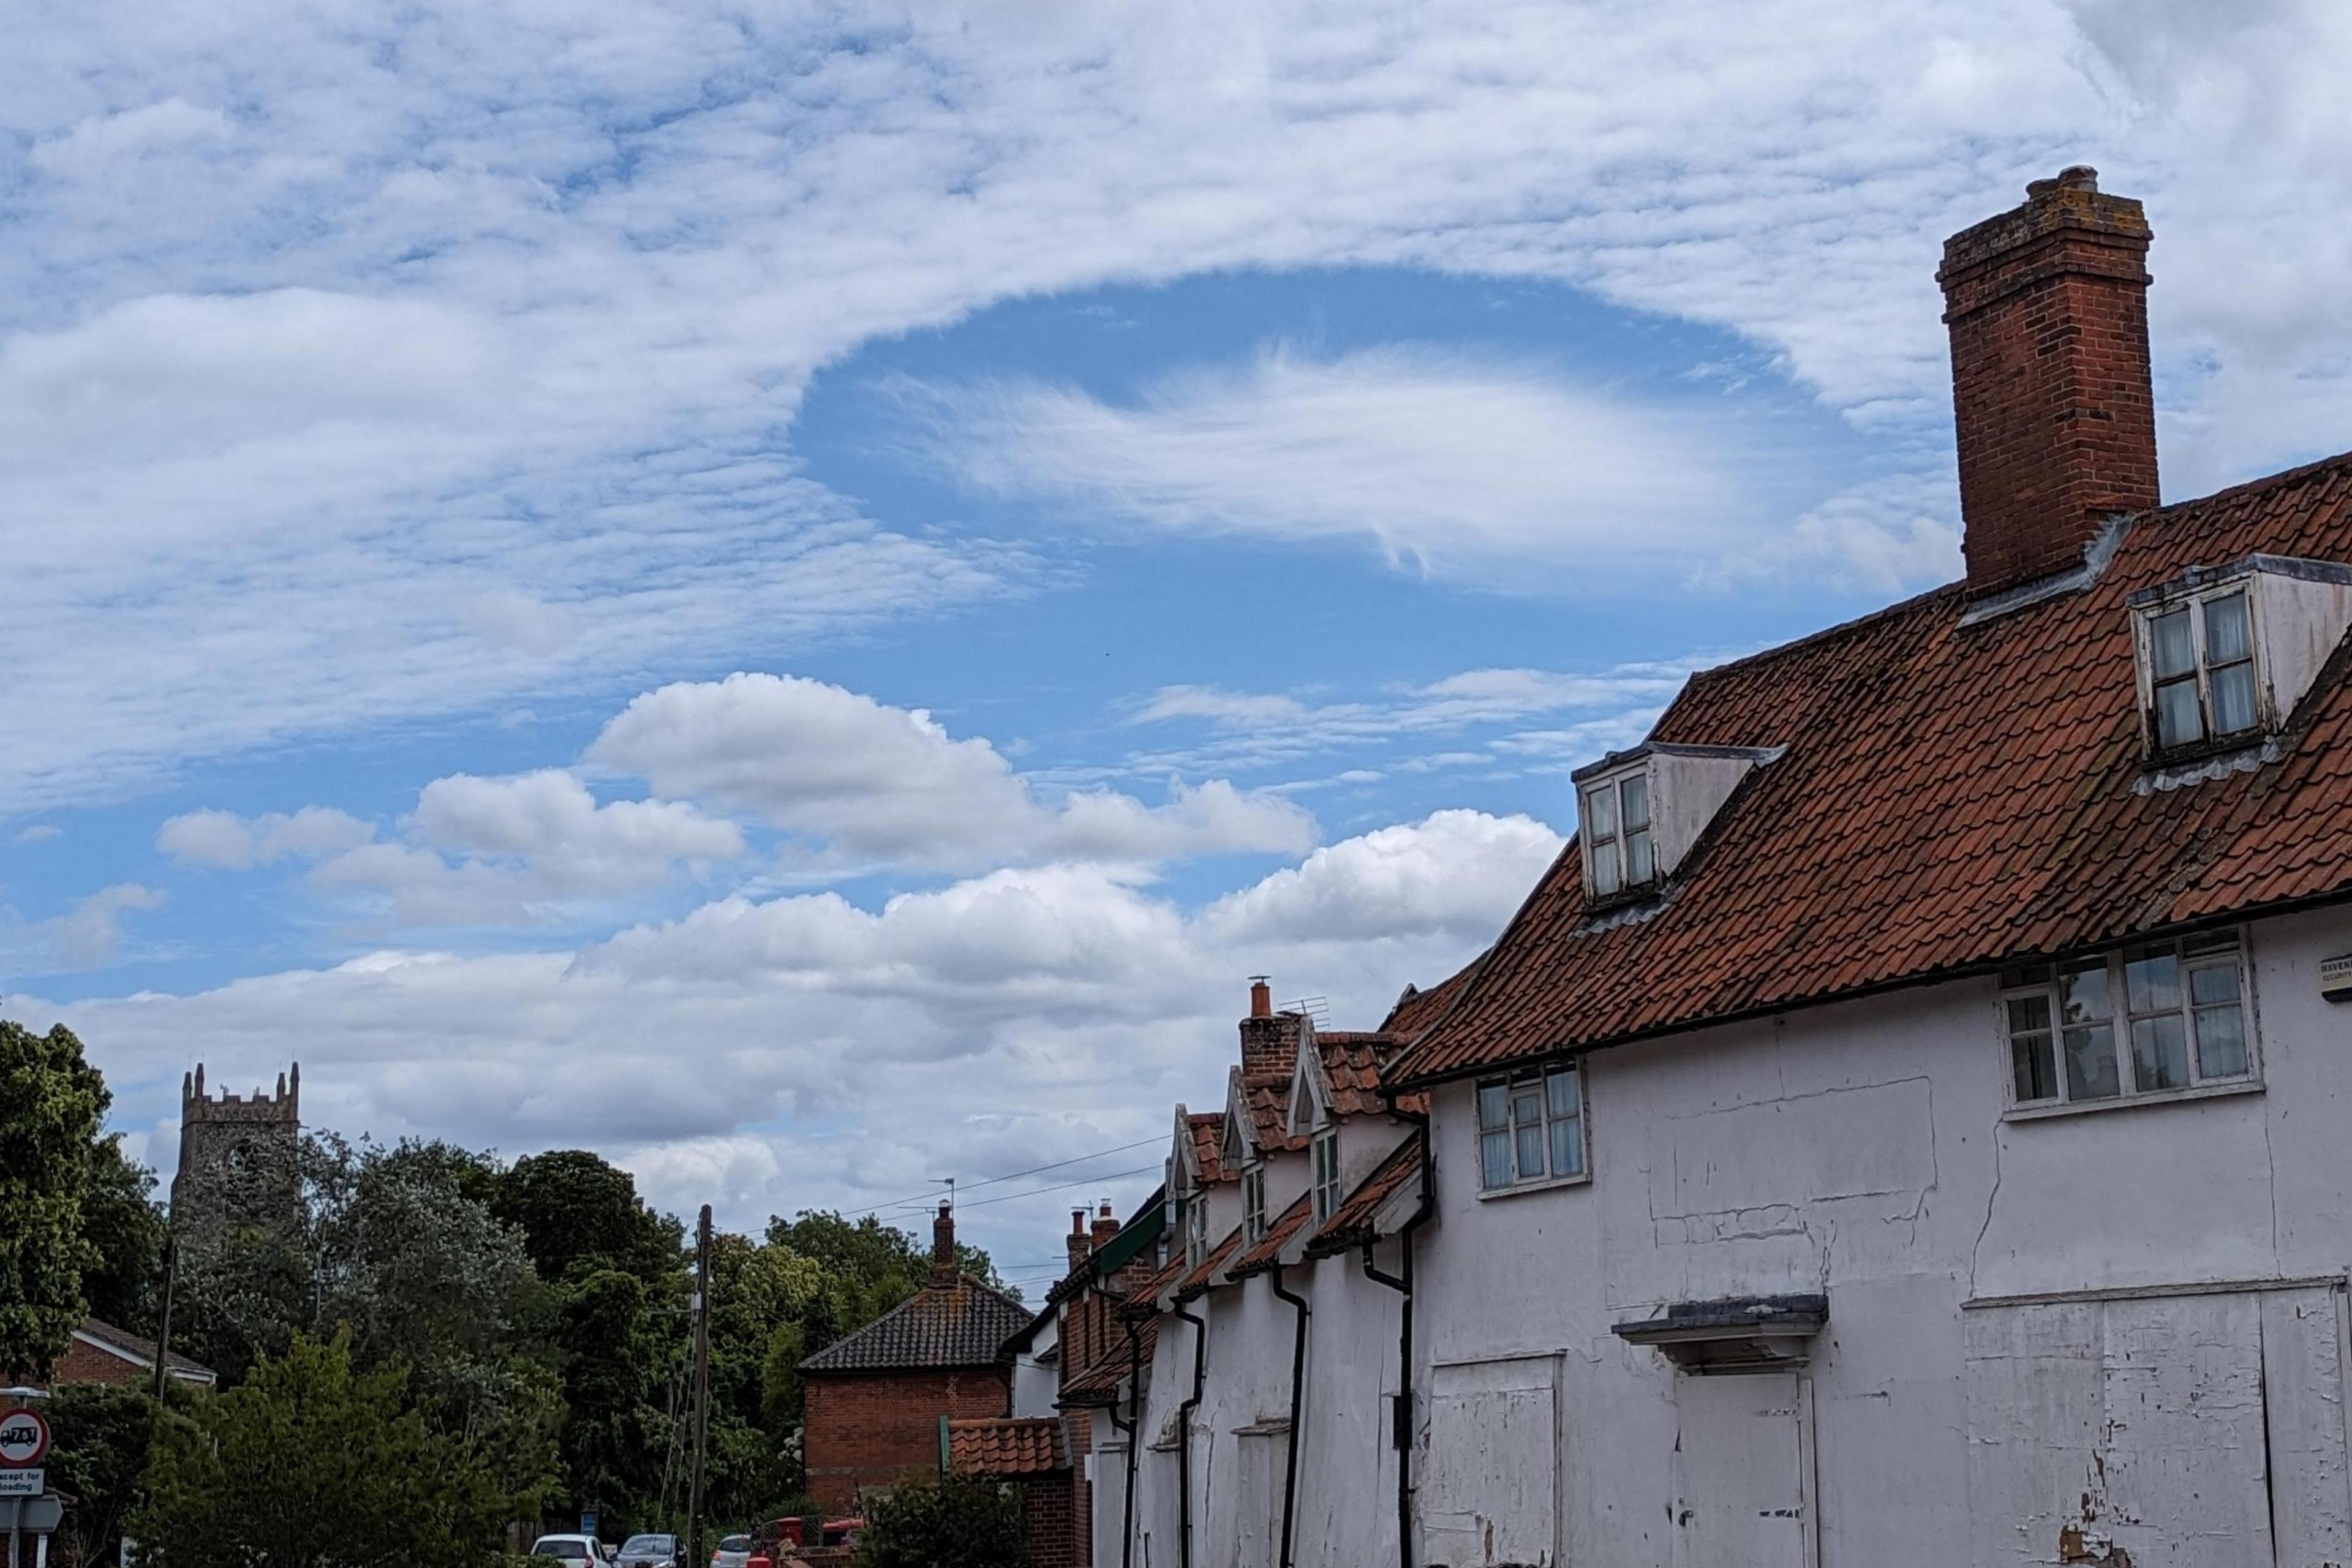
pixel 1236 1137
pixel 2225 654
pixel 1641 812
pixel 1309 1104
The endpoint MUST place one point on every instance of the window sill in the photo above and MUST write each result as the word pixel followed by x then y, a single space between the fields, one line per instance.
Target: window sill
pixel 1552 1184
pixel 2129 1102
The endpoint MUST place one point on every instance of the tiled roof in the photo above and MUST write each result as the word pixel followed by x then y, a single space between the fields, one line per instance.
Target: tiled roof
pixel 1006 1446
pixel 1263 1078
pixel 963 1324
pixel 134 1348
pixel 1952 796
pixel 1099 1385
pixel 1416 1009
pixel 1197 1280
pixel 1355 1222
pixel 1351 1071
pixel 1268 1250
pixel 1208 1129
pixel 1268 1101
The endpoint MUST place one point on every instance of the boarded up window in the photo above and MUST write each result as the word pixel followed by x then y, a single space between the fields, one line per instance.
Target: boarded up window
pixel 1743 1472
pixel 1259 1526
pixel 1487 1475
pixel 2192 1431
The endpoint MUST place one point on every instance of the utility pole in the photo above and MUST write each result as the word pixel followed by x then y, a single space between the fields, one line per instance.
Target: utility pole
pixel 701 1385
pixel 163 1327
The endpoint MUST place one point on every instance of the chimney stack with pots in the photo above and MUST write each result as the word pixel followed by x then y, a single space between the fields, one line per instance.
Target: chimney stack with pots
pixel 2047 305
pixel 944 1269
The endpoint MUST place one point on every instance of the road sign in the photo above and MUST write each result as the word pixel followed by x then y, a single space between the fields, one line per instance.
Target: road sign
pixel 24 1438
pixel 21 1483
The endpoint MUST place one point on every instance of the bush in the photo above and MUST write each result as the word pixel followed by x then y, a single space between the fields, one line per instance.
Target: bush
pixel 955 1521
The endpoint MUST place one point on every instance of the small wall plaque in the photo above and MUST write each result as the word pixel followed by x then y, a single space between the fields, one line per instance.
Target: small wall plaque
pixel 2335 978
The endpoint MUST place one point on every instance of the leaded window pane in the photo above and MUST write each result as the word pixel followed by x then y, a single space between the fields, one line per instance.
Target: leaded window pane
pixel 1640 866
pixel 2228 634
pixel 1494 1159
pixel 1600 812
pixel 2178 721
pixel 1637 801
pixel 2091 1063
pixel 2172 649
pixel 1566 1147
pixel 2233 699
pixel 2152 981
pixel 2160 1053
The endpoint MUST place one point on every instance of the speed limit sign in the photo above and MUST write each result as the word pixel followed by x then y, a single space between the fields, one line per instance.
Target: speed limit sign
pixel 24 1438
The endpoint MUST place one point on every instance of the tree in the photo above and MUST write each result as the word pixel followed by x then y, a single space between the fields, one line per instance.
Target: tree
pixel 615 1438
pixel 952 1521
pixel 100 1441
pixel 312 1464
pixel 578 1214
pixel 869 1267
pixel 51 1105
pixel 120 1218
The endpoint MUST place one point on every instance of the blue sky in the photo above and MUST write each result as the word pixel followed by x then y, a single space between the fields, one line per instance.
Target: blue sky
pixel 799 597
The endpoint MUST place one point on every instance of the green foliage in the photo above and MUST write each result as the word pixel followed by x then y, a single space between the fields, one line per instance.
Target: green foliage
pixel 120 1219
pixel 579 1215
pixel 99 1451
pixel 954 1521
pixel 312 1464
pixel 51 1105
pixel 615 1438
pixel 867 1267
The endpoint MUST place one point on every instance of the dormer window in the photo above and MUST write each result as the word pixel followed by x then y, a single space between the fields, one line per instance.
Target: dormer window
pixel 1619 850
pixel 2201 664
pixel 2225 653
pixel 1253 1203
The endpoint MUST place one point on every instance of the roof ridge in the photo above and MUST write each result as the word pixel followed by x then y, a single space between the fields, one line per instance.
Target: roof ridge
pixel 2280 480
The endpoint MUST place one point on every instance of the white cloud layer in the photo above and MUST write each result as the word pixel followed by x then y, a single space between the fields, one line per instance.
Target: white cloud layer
pixel 876 783
pixel 841 1055
pixel 398 361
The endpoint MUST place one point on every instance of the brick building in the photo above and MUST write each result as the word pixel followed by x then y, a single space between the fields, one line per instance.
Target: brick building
pixel 101 1353
pixel 237 1159
pixel 878 1400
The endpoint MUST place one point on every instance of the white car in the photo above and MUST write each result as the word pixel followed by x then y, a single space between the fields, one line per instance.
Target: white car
pixel 583 1550
pixel 733 1552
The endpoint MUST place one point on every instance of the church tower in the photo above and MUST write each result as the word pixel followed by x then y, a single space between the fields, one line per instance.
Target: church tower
pixel 238 1157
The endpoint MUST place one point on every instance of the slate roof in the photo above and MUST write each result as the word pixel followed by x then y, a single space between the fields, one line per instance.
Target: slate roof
pixel 1354 1223
pixel 1268 1250
pixel 1953 797
pixel 963 1324
pixel 1006 1446
pixel 142 1350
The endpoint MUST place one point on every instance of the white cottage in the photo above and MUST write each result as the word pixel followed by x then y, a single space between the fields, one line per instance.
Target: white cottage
pixel 1910 1123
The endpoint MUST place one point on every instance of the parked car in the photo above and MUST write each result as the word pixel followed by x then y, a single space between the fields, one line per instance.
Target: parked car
pixel 647 1552
pixel 733 1552
pixel 584 1549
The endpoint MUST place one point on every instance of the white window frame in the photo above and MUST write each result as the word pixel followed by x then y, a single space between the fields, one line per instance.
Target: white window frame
pixel 1548 1083
pixel 1253 1201
pixel 2034 1027
pixel 2202 670
pixel 1196 1227
pixel 1606 858
pixel 1323 1154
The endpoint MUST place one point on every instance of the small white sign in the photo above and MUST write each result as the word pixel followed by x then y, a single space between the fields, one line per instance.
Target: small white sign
pixel 24 1438
pixel 2335 978
pixel 21 1483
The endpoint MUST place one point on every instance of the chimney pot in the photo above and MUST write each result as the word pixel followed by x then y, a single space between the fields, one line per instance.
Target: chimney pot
pixel 1261 997
pixel 2052 397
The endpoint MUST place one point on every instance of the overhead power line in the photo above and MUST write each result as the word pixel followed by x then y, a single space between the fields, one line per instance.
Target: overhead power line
pixel 1015 1175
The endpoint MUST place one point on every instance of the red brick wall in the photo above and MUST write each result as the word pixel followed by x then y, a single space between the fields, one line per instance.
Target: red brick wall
pixel 88 1364
pixel 1078 1439
pixel 873 1429
pixel 1046 1501
pixel 2051 401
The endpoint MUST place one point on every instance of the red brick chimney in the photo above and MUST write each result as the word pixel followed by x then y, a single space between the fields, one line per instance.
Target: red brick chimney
pixel 2048 309
pixel 945 1270
pixel 1261 997
pixel 1269 1041
pixel 1079 1245
pixel 1106 1224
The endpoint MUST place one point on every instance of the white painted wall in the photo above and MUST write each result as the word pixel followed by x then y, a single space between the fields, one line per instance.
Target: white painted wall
pixel 1036 1379
pixel 1861 1149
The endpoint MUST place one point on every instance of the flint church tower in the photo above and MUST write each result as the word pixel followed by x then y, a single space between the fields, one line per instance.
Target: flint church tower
pixel 238 1157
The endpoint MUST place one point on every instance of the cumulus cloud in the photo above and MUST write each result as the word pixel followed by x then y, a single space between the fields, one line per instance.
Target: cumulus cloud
pixel 840 1054
pixel 1438 460
pixel 88 935
pixel 887 784
pixel 224 840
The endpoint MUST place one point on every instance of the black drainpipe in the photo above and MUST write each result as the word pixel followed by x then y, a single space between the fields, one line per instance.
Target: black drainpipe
pixel 1134 1437
pixel 1403 1284
pixel 1298 1389
pixel 1184 1438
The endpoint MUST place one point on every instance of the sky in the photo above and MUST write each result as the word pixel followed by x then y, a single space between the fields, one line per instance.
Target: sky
pixel 799 595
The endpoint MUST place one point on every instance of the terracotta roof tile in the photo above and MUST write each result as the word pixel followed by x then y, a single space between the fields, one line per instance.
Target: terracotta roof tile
pixel 1354 1222
pixel 1952 798
pixel 1197 1280
pixel 1006 1446
pixel 1268 1250
pixel 1208 1128
pixel 1099 1385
